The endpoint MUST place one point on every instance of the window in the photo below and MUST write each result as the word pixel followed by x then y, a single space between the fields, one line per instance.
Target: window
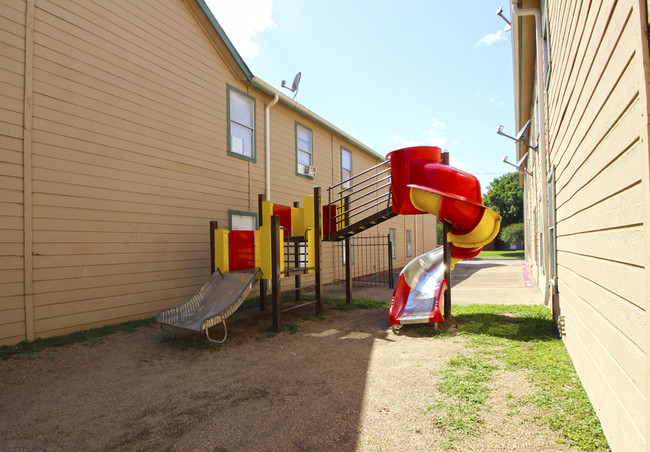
pixel 541 234
pixel 241 221
pixel 241 124
pixel 393 242
pixel 409 246
pixel 346 168
pixel 551 224
pixel 304 151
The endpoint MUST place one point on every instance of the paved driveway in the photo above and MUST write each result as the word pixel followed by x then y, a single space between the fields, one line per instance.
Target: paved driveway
pixel 502 281
pixel 473 282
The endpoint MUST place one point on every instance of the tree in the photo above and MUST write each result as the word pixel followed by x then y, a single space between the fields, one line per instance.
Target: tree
pixel 513 234
pixel 506 198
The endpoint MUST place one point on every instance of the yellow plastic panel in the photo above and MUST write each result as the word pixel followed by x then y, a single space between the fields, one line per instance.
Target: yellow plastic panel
pixel 297 221
pixel 425 201
pixel 221 255
pixel 264 247
pixel 486 231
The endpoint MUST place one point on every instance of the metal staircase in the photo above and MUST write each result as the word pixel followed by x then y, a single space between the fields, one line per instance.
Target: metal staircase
pixel 367 193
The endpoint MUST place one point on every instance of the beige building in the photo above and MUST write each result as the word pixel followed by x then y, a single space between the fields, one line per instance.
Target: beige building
pixel 581 77
pixel 125 129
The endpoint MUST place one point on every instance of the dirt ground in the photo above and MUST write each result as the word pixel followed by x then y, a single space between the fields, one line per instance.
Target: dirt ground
pixel 344 383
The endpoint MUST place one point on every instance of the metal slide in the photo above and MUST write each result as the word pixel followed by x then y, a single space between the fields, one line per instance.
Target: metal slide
pixel 421 286
pixel 215 301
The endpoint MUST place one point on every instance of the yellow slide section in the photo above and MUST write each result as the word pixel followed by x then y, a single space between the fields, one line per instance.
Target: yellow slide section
pixel 486 230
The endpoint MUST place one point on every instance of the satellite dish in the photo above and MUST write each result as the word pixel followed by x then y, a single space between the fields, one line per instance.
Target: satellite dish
pixel 522 131
pixel 294 85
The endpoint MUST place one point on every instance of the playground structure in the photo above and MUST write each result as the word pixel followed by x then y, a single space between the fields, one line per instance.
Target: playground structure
pixel 288 242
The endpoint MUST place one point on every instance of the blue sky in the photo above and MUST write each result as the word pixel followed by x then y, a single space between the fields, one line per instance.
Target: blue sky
pixel 391 74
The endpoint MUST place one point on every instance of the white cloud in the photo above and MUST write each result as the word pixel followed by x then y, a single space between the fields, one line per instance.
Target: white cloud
pixel 438 124
pixel 456 163
pixel 433 136
pixel 491 38
pixel 243 20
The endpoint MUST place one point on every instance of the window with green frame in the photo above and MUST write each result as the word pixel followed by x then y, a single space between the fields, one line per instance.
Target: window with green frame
pixel 241 124
pixel 304 151
pixel 241 221
pixel 392 236
pixel 346 168
pixel 409 244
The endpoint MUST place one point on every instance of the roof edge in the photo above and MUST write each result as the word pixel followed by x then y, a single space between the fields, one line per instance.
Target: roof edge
pixel 291 103
pixel 226 41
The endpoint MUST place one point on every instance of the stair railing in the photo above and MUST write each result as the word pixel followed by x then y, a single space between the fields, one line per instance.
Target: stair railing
pixel 352 201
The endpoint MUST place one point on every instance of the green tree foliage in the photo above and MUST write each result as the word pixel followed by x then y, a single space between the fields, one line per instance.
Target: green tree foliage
pixel 512 234
pixel 506 198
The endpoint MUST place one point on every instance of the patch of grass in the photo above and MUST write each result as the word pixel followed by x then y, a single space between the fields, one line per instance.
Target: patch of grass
pixel 429 331
pixel 515 254
pixel 291 328
pixel 519 337
pixel 340 303
pixel 464 384
pixel 191 342
pixel 89 337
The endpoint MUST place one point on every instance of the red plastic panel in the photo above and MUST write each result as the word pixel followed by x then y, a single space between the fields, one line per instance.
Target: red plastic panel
pixel 401 163
pixel 241 251
pixel 329 219
pixel 436 315
pixel 464 253
pixel 284 212
pixel 398 302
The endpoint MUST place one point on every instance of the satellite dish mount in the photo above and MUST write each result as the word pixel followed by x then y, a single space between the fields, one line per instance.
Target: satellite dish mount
pixel 294 85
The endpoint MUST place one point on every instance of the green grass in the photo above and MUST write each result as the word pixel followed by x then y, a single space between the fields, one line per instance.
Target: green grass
pixel 91 336
pixel 340 303
pixel 465 386
pixel 516 338
pixel 192 342
pixel 516 254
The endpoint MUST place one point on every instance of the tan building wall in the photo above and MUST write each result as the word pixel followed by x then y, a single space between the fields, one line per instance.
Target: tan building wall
pixel 12 88
pixel 597 165
pixel 119 111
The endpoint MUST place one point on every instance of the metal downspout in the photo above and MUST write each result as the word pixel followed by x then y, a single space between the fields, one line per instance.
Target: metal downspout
pixel 267 144
pixel 516 13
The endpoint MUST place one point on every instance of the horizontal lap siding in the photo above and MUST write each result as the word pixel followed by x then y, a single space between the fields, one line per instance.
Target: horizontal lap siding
pixel 12 88
pixel 597 147
pixel 129 160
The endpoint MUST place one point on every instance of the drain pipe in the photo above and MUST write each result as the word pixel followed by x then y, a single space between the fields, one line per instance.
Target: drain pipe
pixel 267 143
pixel 516 13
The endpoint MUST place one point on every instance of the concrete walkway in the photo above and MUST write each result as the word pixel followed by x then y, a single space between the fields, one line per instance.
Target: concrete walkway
pixel 503 281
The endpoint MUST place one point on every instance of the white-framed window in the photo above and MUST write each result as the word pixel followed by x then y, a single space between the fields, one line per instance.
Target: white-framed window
pixel 304 151
pixel 241 124
pixel 392 236
pixel 551 224
pixel 346 168
pixel 241 221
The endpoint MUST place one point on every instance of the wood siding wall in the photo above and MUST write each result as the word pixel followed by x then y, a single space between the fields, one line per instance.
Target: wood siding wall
pixel 12 90
pixel 129 163
pixel 597 137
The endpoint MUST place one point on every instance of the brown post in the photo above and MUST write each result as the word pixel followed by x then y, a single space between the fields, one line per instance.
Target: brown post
pixel 348 270
pixel 213 227
pixel 447 257
pixel 318 226
pixel 263 282
pixel 275 270
pixel 297 257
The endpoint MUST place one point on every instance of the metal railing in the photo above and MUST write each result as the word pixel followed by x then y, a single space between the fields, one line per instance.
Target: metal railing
pixel 360 193
pixel 371 261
